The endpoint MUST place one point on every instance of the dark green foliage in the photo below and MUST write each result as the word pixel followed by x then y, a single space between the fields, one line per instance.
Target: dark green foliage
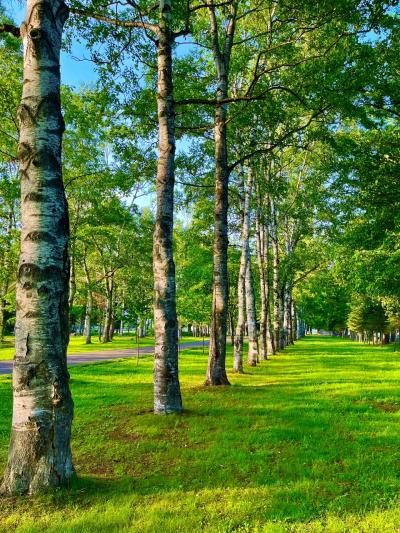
pixel 323 302
pixel 367 315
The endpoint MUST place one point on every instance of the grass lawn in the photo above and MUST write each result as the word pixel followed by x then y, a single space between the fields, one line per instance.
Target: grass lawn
pixel 307 442
pixel 77 345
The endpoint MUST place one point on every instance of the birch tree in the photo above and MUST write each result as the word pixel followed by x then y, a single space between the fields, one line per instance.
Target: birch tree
pixel 40 455
pixel 242 295
pixel 252 356
pixel 167 395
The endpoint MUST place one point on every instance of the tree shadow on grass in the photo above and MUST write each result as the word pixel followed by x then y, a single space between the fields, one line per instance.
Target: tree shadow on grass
pixel 290 467
pixel 291 449
pixel 308 453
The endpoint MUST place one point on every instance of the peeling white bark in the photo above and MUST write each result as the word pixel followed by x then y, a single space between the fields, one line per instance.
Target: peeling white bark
pixel 89 304
pixel 238 349
pixel 216 370
pixel 167 394
pixel 252 356
pixel 277 303
pixel 40 454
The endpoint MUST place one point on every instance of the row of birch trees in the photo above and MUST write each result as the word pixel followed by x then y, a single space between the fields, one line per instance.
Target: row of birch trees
pixel 236 95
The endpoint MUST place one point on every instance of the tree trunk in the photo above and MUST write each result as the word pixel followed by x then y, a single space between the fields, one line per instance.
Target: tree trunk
pixel 231 324
pixel 1 320
pixel 216 371
pixel 262 241
pixel 290 315
pixel 89 305
pixel 271 348
pixel 121 324
pixel 72 279
pixel 294 329
pixel 282 332
pixel 276 287
pixel 40 454
pixel 88 317
pixel 3 292
pixel 108 311
pixel 167 394
pixel 261 263
pixel 238 351
pixel 286 314
pixel 111 322
pixel 252 357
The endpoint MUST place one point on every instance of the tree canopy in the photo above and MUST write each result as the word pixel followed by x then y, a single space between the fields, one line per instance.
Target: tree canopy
pixel 264 136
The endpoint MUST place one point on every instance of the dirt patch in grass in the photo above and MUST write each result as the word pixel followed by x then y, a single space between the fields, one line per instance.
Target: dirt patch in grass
pixel 198 388
pixel 386 407
pixel 123 408
pixel 88 465
pixel 121 436
pixel 102 470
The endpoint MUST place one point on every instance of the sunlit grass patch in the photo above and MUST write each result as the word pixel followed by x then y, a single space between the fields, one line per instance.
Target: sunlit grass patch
pixel 306 442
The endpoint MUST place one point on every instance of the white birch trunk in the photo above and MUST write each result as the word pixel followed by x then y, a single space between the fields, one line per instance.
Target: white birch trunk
pixel 252 356
pixel 167 394
pixel 260 236
pixel 108 310
pixel 40 455
pixel 216 369
pixel 238 350
pixel 89 305
pixel 276 284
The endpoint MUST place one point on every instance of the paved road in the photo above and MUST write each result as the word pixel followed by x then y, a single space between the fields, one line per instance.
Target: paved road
pixel 93 357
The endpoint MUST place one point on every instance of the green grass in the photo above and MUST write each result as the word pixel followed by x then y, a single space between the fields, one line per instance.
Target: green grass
pixel 7 349
pixel 77 345
pixel 306 442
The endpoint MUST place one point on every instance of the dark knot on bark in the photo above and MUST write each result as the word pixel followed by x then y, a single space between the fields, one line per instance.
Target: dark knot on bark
pixel 35 34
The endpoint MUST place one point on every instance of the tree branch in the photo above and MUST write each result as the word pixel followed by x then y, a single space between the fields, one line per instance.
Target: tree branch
pixel 10 28
pixel 201 6
pixel 116 22
pixel 303 276
pixel 187 184
pixel 244 98
pixel 271 147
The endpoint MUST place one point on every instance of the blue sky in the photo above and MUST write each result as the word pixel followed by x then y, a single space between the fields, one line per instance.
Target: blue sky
pixel 74 69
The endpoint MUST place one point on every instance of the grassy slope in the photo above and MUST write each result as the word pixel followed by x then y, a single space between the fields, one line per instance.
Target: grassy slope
pixel 77 345
pixel 308 442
